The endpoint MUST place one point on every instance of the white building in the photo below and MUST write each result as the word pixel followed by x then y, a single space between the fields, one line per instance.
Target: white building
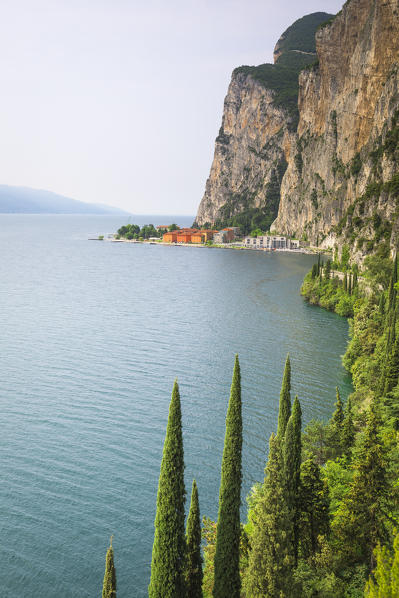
pixel 270 242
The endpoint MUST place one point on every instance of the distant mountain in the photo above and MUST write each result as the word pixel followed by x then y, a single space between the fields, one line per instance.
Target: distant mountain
pixel 23 200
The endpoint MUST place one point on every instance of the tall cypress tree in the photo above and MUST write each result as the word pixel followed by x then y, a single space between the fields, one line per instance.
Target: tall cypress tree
pixel 271 559
pixel 193 541
pixel 392 293
pixel 292 448
pixel 345 282
pixel 348 428
pixel 285 399
pixel 314 506
pixel 227 557
pixel 391 374
pixel 335 427
pixel 109 584
pixel 169 548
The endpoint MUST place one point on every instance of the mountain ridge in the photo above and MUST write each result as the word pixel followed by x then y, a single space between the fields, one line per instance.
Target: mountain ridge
pixel 26 200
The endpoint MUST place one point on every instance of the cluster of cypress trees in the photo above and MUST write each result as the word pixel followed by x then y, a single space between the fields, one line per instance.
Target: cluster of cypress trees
pixel 176 568
pixel 322 272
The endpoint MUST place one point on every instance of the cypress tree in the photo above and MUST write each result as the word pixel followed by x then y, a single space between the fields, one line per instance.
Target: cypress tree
pixel 109 583
pixel 350 284
pixel 393 280
pixel 335 427
pixel 381 305
pixel 271 561
pixel 314 508
pixel 345 282
pixel 169 548
pixel 327 270
pixel 348 428
pixel 227 557
pixel 314 271
pixel 355 281
pixel 292 449
pixel 285 400
pixel 392 368
pixel 318 265
pixel 361 520
pixel 193 541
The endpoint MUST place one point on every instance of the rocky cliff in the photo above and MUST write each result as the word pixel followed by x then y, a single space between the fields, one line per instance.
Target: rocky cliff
pixel 341 185
pixel 257 135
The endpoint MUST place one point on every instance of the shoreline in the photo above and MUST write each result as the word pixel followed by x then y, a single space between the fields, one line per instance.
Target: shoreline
pixel 231 246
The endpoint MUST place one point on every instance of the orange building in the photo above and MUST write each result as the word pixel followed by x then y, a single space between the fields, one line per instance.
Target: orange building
pixel 184 237
pixel 170 237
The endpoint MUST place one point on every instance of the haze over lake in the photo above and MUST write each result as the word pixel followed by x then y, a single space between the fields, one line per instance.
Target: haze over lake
pixel 93 335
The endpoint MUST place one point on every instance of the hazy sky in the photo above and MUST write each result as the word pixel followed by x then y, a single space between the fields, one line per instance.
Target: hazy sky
pixel 120 101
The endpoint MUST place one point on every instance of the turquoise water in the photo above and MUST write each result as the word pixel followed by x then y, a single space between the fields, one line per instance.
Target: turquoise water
pixel 92 336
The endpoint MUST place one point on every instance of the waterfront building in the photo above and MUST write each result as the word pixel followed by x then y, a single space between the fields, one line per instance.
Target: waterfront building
pixel 271 242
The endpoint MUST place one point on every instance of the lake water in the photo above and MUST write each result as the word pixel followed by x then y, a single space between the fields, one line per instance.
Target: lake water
pixel 92 336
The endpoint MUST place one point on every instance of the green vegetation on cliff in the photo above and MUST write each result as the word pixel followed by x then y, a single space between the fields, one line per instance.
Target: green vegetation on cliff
pixel 296 49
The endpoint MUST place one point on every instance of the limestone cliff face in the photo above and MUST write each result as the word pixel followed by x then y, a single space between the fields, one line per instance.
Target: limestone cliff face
pixel 251 151
pixel 257 135
pixel 340 186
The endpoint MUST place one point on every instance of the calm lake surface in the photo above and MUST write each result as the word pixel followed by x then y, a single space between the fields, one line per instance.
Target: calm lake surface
pixel 92 336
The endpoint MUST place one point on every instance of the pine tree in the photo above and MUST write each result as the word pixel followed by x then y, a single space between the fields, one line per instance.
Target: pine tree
pixel 348 428
pixel 292 449
pixel 314 506
pixel 285 400
pixel 193 541
pixel 227 574
pixel 271 561
pixel 169 548
pixel 109 583
pixel 361 520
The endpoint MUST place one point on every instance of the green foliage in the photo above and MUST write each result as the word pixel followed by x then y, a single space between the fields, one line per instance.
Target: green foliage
pixel 271 560
pixel 313 508
pixel 384 582
pixel 227 581
pixel 356 165
pixel 109 583
pixel 193 572
pixel 330 293
pixel 298 48
pixel 361 520
pixel 169 548
pixel 133 231
pixel 335 428
pixel 239 209
pixel 292 452
pixel 209 536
